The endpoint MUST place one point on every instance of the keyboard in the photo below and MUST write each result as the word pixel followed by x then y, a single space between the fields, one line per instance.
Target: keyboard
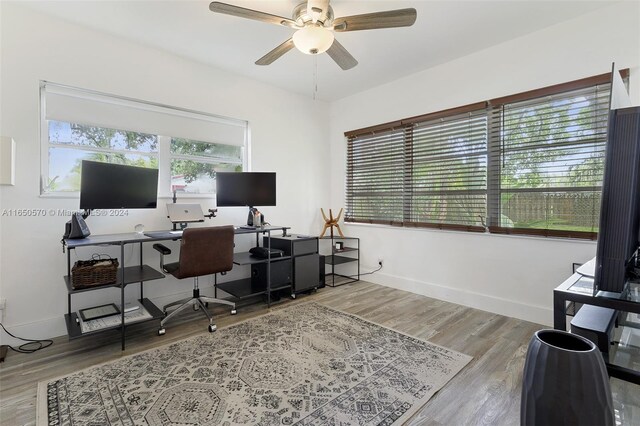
pixel 163 234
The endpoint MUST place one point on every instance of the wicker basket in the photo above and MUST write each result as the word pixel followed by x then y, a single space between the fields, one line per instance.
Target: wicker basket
pixel 94 272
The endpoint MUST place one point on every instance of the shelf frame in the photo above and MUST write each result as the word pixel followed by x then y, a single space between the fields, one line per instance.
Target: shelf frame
pixel 337 259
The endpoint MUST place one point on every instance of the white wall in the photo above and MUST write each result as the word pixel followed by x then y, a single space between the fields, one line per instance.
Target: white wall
pixel 505 274
pixel 37 47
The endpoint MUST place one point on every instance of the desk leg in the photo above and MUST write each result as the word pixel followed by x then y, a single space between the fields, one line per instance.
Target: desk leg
pixel 268 269
pixel 141 282
pixel 559 311
pixel 122 293
pixel 69 275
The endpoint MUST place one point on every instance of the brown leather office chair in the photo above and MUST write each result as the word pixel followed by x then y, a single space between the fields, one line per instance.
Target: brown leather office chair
pixel 203 251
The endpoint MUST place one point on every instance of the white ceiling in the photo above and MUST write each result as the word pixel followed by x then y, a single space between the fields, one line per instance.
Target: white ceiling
pixel 444 30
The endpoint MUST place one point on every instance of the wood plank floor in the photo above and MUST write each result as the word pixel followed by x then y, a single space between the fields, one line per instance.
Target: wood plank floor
pixel 487 391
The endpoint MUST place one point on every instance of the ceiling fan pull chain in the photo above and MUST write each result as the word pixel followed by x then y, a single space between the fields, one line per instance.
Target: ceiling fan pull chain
pixel 315 77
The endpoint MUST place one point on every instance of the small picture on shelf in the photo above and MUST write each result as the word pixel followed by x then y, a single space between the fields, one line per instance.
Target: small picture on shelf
pixel 98 312
pixel 339 245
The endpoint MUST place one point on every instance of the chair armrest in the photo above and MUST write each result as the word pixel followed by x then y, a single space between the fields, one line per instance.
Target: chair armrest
pixel 162 249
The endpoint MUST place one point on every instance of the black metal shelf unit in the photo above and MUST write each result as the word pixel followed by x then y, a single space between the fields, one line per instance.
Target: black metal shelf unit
pixel 126 275
pixel 337 257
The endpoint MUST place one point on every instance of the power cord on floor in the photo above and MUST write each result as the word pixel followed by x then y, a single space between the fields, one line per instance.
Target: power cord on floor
pixel 24 348
pixel 366 273
pixel 372 272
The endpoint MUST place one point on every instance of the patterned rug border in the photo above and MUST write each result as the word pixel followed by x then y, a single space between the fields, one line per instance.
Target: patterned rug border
pixel 410 413
pixel 41 393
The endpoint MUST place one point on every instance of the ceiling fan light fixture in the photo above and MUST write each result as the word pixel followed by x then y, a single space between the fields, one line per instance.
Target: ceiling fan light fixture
pixel 313 39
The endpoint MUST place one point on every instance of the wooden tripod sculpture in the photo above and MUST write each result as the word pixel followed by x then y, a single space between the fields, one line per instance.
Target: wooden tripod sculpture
pixel 330 223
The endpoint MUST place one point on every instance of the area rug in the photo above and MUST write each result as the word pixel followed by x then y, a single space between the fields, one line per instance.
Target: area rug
pixel 306 364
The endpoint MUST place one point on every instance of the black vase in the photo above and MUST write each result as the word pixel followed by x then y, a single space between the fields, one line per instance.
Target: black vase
pixel 565 382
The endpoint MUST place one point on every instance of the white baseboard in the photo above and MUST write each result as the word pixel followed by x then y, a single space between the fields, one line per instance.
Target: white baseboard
pixel 510 308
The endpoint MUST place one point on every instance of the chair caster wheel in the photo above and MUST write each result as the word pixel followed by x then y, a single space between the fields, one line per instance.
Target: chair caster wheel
pixel 233 312
pixel 293 296
pixel 212 328
pixel 161 332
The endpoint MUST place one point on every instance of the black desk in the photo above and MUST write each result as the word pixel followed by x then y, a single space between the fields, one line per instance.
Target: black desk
pixel 579 289
pixel 141 273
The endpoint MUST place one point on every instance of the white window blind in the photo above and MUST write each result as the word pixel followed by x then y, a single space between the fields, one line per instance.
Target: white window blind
pixel 188 147
pixel 68 104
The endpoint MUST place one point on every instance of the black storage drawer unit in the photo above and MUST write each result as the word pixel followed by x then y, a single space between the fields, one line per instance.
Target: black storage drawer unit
pixel 293 245
pixel 280 274
pixel 305 258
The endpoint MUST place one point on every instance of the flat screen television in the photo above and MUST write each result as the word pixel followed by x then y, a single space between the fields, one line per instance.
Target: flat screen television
pixel 115 186
pixel 618 237
pixel 245 189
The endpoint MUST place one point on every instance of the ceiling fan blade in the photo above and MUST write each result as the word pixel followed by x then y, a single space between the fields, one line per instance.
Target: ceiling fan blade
pixel 340 55
pixel 242 12
pixel 372 21
pixel 276 53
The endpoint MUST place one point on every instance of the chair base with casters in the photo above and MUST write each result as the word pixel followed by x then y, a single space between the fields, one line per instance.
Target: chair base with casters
pixel 203 251
pixel 198 303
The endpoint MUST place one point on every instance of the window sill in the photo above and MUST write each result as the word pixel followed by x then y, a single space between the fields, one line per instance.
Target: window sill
pixel 482 234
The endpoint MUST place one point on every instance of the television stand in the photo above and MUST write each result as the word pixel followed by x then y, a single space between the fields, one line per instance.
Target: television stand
pixel 579 289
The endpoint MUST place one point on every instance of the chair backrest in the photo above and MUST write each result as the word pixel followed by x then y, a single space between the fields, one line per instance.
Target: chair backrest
pixel 205 251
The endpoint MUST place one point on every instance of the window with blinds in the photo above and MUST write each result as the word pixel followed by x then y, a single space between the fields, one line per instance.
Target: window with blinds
pixel 375 177
pixel 447 171
pixel 530 163
pixel 429 171
pixel 549 157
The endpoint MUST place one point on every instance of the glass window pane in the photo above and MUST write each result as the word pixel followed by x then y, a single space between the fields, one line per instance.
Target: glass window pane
pixel 197 178
pixel 65 166
pixel 206 149
pixel 568 211
pixel 99 137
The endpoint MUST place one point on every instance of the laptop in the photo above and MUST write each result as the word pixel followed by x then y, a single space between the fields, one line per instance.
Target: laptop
pixel 183 213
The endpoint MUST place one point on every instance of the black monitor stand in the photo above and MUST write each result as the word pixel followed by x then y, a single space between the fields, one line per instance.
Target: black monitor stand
pixel 252 210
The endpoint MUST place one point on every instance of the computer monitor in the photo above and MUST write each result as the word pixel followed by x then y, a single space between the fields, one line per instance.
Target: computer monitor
pixel 245 189
pixel 115 186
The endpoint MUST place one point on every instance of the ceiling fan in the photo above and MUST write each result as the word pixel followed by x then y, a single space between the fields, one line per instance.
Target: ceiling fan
pixel 314 23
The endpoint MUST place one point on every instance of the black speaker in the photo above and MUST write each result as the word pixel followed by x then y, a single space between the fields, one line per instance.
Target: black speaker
pixel 280 274
pixel 321 285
